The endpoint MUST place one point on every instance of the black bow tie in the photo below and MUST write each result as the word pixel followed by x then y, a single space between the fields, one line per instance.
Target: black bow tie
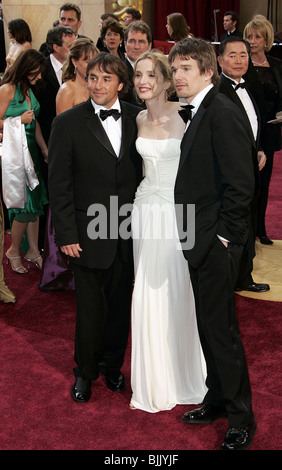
pixel 240 85
pixel 186 112
pixel 104 113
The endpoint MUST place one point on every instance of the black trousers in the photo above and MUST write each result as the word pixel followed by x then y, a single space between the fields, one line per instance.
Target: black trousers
pixel 103 304
pixel 227 373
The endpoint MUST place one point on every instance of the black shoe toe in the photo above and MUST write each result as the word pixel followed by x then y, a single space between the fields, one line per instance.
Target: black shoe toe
pixel 239 438
pixel 81 390
pixel 115 380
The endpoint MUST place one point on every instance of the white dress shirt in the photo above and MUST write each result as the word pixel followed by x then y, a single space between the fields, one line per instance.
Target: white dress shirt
pixel 111 126
pixel 57 66
pixel 248 105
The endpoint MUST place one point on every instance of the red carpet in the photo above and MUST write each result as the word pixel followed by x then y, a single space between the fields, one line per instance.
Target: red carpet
pixel 37 413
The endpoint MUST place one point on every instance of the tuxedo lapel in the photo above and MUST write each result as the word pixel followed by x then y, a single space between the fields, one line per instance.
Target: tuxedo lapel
pixel 94 125
pixel 191 132
pixel 227 88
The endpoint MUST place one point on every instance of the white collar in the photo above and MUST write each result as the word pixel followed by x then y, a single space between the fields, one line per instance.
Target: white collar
pixel 234 82
pixel 57 65
pixel 199 98
pixel 97 107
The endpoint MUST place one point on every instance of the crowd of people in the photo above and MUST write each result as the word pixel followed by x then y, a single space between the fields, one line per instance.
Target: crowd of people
pixel 106 128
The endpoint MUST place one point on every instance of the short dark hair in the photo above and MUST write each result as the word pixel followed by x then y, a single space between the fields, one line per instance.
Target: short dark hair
pixel 140 26
pixel 113 25
pixel 136 15
pixel 223 44
pixel 201 51
pixel 71 6
pixel 20 30
pixel 110 64
pixel 55 36
pixel 233 14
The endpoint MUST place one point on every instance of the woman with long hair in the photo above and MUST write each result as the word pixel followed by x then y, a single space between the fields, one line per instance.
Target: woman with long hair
pixel 177 27
pixel 21 39
pixel 17 100
pixel 74 88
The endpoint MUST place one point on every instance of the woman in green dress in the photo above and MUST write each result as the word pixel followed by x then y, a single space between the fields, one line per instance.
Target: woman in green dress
pixel 17 99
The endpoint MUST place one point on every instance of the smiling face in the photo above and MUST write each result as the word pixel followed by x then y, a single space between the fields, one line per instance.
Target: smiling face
pixel 188 80
pixel 234 61
pixel 103 87
pixel 148 80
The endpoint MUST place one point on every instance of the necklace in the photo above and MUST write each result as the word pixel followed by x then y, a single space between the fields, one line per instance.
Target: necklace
pixel 258 63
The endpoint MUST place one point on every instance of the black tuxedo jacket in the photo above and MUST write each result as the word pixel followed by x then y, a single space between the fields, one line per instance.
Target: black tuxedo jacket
pixel 227 89
pixel 216 175
pixel 236 32
pixel 46 96
pixel 84 170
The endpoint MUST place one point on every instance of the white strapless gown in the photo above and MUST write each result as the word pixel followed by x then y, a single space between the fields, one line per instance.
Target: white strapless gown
pixel 167 365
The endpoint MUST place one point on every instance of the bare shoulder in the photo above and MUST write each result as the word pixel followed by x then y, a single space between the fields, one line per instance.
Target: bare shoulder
pixel 8 91
pixel 142 116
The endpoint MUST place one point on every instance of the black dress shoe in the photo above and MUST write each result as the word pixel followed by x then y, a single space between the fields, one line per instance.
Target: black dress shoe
pixel 204 415
pixel 265 240
pixel 81 390
pixel 239 438
pixel 115 380
pixel 255 287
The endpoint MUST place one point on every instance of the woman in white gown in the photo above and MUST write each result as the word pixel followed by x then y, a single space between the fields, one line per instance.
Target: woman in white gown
pixel 167 366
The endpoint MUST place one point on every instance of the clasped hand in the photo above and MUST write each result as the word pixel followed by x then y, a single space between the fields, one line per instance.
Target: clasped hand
pixel 27 117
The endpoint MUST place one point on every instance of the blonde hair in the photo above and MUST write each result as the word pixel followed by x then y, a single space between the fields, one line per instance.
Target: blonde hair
pixel 159 60
pixel 264 27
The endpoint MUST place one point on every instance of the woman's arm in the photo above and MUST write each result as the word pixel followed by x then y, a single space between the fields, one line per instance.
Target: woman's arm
pixel 7 93
pixel 64 98
pixel 40 141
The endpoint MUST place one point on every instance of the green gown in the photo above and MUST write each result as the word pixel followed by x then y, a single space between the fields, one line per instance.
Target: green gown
pixel 36 198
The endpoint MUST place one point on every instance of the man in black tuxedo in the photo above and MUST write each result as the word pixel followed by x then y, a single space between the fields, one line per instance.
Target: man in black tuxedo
pixel 94 170
pixel 234 61
pixel 137 39
pixel 230 25
pixel 215 175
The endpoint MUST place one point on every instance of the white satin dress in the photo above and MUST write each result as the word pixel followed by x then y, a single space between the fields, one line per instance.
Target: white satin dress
pixel 167 365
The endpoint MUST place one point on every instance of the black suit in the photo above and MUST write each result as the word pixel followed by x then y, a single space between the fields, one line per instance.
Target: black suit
pixel 246 267
pixel 46 94
pixel 216 175
pixel 236 32
pixel 83 170
pixel 47 99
